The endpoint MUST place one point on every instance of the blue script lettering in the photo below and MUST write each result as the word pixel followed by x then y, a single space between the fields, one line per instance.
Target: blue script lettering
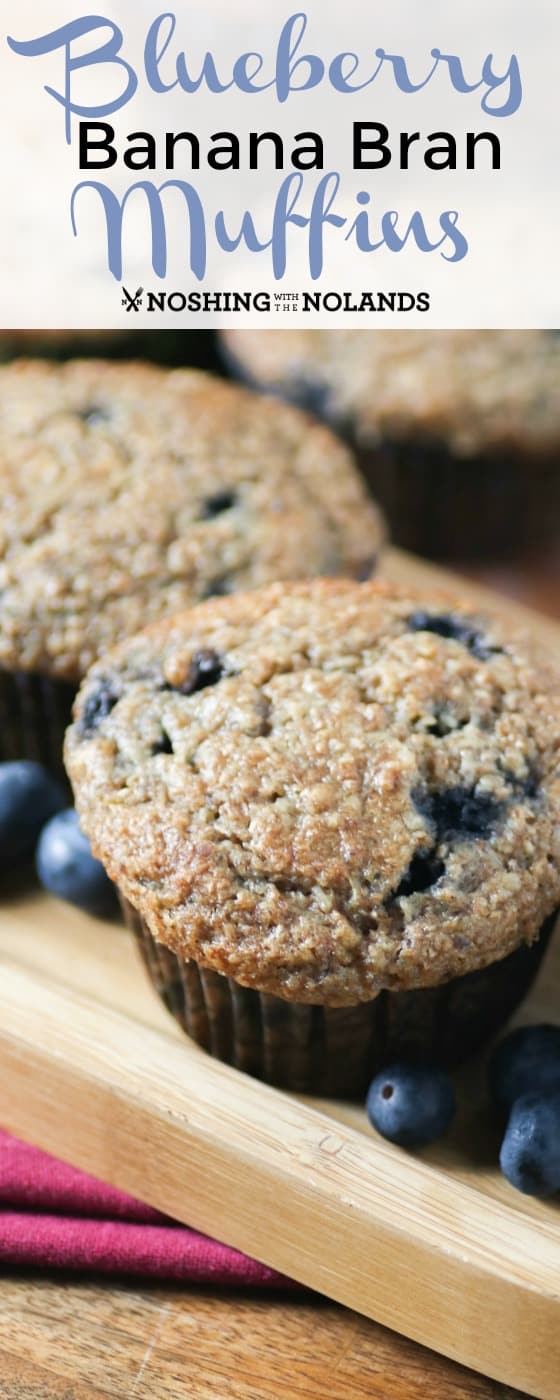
pixel 290 70
pixel 108 52
pixel 114 214
pixel 290 40
pixel 284 216
pixel 493 81
pixel 400 70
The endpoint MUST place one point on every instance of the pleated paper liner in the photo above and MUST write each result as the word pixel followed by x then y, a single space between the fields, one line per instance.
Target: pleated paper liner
pixel 34 714
pixel 493 507
pixel 500 505
pixel 329 1050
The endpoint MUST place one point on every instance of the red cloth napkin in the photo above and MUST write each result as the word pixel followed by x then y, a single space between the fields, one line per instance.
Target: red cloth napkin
pixel 55 1217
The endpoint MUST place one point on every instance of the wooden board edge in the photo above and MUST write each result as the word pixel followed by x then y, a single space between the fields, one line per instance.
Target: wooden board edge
pixel 418 1252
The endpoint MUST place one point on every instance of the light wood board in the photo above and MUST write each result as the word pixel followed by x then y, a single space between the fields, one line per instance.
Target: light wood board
pixel 435 1245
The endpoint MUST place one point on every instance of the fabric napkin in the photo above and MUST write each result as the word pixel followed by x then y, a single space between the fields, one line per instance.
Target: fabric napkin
pixel 55 1217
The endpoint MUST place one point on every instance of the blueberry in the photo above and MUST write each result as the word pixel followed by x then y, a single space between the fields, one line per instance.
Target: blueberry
pixel 528 786
pixel 205 669
pixel 425 870
pixel 162 745
pixel 99 704
pixel 92 414
pixel 313 395
pixel 530 1155
pixel 219 587
pixel 67 869
pixel 458 813
pixel 526 1062
pixel 454 629
pixel 219 503
pixel 29 796
pixel 411 1103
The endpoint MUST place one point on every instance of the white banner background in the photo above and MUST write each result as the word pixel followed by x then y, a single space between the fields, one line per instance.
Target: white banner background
pixel 511 217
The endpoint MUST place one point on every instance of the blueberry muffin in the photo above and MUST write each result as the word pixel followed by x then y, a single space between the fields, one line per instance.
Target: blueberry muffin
pixel 457 432
pixel 332 811
pixel 128 492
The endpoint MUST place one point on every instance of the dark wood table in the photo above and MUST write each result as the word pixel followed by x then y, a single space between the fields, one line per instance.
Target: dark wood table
pixel 67 1340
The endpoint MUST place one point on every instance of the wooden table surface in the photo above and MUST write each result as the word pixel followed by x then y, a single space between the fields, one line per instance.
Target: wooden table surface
pixel 62 1340
pixel 69 1339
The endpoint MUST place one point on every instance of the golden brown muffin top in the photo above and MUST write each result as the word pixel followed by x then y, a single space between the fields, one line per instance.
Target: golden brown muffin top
pixel 128 492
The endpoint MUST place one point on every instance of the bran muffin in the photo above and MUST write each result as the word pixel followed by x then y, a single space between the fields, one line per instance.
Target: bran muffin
pixel 332 811
pixel 128 492
pixel 457 432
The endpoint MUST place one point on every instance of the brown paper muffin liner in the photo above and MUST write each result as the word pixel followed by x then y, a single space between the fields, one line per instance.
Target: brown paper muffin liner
pixel 494 506
pixel 488 507
pixel 327 1050
pixel 34 714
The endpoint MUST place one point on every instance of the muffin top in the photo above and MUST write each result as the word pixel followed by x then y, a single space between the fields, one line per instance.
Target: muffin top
pixel 326 788
pixel 128 492
pixel 474 391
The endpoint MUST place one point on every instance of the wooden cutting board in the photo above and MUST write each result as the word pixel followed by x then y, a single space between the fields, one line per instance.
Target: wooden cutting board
pixel 433 1244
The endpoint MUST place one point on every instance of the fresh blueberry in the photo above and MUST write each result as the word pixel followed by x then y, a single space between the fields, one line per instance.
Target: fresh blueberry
pixel 526 1062
pixel 530 1155
pixel 411 1103
pixel 67 869
pixel 29 796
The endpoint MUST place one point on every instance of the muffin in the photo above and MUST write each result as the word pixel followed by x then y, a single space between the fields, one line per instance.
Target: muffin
pixel 128 492
pixel 332 811
pixel 457 432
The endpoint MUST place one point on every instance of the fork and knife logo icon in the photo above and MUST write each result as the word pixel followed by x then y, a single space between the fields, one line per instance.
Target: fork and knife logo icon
pixel 132 301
